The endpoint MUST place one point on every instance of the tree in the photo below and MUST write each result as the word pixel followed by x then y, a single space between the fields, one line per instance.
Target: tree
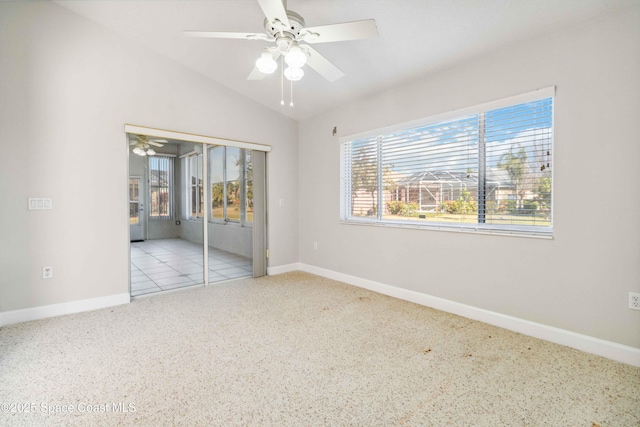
pixel 248 177
pixel 233 192
pixel 543 191
pixel 217 195
pixel 516 166
pixel 364 172
pixel 248 180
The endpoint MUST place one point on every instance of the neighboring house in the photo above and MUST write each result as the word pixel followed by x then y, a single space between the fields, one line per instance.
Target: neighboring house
pixel 430 189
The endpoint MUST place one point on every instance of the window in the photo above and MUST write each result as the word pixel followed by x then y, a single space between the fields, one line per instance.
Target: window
pixel 160 187
pixel 233 184
pixel 134 201
pixel 216 173
pixel 248 187
pixel 231 180
pixel 487 168
pixel 193 200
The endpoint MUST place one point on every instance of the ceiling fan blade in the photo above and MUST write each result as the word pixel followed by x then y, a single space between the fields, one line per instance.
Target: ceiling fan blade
pixel 133 142
pixel 356 30
pixel 155 143
pixel 256 74
pixel 322 65
pixel 226 35
pixel 274 10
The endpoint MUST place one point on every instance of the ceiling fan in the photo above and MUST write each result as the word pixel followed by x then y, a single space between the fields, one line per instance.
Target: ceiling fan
pixel 287 30
pixel 143 144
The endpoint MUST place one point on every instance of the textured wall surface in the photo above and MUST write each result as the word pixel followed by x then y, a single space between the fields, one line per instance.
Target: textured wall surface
pixel 580 280
pixel 68 88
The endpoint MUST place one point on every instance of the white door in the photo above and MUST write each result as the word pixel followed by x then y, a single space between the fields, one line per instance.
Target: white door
pixel 136 209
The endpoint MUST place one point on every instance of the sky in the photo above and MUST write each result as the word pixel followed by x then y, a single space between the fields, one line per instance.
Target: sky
pixel 453 145
pixel 216 161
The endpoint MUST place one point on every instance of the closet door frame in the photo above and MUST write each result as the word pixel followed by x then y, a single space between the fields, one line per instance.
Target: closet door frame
pixel 259 182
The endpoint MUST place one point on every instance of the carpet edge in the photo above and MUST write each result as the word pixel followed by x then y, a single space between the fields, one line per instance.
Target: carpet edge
pixel 599 347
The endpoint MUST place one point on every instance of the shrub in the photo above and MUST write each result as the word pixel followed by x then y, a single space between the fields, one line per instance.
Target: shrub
pixel 397 207
pixel 464 205
pixel 530 207
pixel 409 209
pixel 394 207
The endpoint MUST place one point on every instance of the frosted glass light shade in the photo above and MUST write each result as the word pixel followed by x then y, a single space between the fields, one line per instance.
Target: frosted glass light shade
pixel 266 64
pixel 295 58
pixel 293 74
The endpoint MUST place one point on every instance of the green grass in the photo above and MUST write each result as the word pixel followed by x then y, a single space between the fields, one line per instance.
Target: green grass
pixel 233 213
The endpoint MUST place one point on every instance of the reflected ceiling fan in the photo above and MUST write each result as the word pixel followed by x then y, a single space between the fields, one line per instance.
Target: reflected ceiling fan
pixel 289 35
pixel 143 144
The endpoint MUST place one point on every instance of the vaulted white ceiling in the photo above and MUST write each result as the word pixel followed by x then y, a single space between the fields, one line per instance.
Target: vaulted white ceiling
pixel 416 37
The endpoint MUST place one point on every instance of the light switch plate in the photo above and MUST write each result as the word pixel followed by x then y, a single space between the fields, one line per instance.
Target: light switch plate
pixel 39 203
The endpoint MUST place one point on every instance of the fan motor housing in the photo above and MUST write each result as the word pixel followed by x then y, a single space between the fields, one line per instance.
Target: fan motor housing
pixel 285 36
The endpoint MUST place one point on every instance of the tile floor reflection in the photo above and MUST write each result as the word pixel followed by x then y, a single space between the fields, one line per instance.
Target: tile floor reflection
pixel 163 264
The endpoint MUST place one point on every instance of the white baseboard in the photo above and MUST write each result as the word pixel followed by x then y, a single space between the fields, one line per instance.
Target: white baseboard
pixel 284 269
pixel 608 349
pixel 24 315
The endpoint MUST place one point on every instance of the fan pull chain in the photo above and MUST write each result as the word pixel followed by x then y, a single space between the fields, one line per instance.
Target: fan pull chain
pixel 291 103
pixel 282 80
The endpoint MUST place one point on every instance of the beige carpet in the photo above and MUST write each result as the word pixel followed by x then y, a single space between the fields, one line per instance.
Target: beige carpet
pixel 299 350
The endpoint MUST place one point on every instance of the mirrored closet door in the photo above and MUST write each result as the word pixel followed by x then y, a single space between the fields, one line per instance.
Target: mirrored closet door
pixel 199 213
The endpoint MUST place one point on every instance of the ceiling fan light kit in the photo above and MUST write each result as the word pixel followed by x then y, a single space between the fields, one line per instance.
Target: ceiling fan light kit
pixel 295 57
pixel 266 64
pixel 139 151
pixel 293 74
pixel 143 145
pixel 286 29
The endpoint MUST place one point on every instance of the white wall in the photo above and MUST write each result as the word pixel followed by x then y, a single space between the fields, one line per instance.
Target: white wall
pixel 228 237
pixel 231 238
pixel 68 87
pixel 580 280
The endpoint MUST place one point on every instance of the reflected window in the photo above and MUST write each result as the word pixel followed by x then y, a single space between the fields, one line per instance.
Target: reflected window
pixel 193 194
pixel 231 184
pixel 160 187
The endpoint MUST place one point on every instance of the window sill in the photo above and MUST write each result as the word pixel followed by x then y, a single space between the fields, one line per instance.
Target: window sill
pixel 546 235
pixel 230 223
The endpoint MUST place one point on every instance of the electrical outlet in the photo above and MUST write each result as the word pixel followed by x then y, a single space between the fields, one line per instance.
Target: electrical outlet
pixel 47 272
pixel 634 300
pixel 315 245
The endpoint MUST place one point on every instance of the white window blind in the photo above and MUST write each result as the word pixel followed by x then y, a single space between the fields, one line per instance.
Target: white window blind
pixel 160 186
pixel 486 168
pixel 248 188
